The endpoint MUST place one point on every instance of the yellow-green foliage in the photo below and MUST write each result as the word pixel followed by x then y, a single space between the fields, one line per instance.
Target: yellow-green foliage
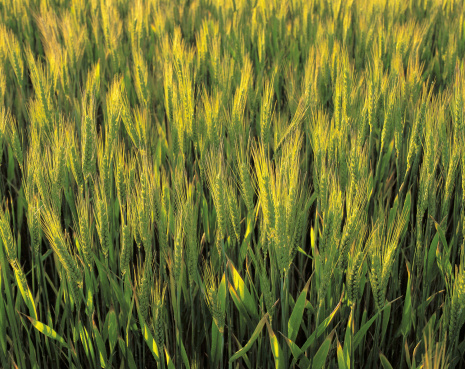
pixel 177 175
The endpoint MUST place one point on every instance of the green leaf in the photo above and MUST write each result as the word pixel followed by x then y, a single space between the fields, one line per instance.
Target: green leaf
pixel 432 256
pixel 312 239
pixel 297 314
pixel 442 235
pixel 25 291
pixel 112 328
pixel 299 249
pixel 363 330
pixel 3 343
pixel 297 353
pixel 249 230
pixel 169 362
pixel 240 306
pixel 386 317
pixel 407 313
pixel 348 339
pixel 243 292
pixel 101 346
pixel 86 342
pixel 217 345
pixel 118 291
pixel 322 353
pixel 340 357
pixel 129 320
pixel 275 348
pixel 321 328
pixel 148 338
pixel 244 357
pixel 32 354
pixel 131 361
pixel 184 356
pixel 385 361
pixel 222 293
pixel 252 339
pixel 46 330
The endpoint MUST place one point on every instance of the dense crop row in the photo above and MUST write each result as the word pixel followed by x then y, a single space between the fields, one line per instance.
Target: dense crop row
pixel 232 183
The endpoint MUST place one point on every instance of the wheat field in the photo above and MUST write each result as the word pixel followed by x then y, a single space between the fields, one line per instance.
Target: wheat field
pixel 232 184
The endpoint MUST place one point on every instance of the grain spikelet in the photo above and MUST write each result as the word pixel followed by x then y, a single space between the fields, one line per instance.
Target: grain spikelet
pixel 266 113
pixel 74 159
pixel 216 182
pixel 12 134
pixel 178 249
pixel 15 57
pixel 41 85
pixel 101 216
pixel 7 237
pixel 141 78
pixel 456 306
pixel 128 120
pixel 88 139
pixel 53 231
pixel 211 297
pixel 126 247
pixel 158 320
pixel 85 238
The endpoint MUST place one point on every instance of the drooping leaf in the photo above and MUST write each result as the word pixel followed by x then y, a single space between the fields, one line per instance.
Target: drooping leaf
pixel 252 339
